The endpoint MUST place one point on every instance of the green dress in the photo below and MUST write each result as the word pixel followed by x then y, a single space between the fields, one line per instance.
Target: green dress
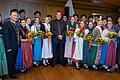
pixel 93 52
pixel 3 61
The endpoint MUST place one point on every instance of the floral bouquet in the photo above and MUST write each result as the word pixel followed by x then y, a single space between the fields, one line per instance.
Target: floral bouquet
pixel 31 35
pixel 100 41
pixel 70 33
pixel 90 39
pixel 80 33
pixel 39 33
pixel 48 34
pixel 112 35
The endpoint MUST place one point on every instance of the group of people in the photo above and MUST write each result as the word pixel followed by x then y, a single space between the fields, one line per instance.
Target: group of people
pixel 25 42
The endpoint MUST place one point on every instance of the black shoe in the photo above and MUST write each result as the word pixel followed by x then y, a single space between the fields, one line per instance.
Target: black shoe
pixel 48 63
pixel 45 65
pixel 118 69
pixel 86 67
pixel 3 76
pixel 77 67
pixel 52 65
pixel 95 67
pixel 13 77
pixel 109 70
pixel 1 79
pixel 63 64
pixel 69 63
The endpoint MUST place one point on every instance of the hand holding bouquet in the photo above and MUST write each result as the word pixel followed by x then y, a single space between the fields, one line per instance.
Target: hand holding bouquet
pixel 70 33
pixel 30 35
pixel 80 33
pixel 112 35
pixel 100 41
pixel 90 39
pixel 48 34
pixel 39 33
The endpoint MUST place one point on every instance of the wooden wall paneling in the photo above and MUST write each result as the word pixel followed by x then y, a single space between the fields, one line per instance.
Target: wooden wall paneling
pixel 50 7
pixel 31 7
pixel 53 9
pixel 81 11
pixel 6 6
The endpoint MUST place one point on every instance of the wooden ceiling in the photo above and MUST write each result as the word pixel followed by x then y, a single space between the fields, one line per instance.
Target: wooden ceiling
pixel 107 3
pixel 102 2
pixel 85 4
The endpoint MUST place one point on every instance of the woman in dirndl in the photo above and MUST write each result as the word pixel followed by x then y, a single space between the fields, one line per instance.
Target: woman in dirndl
pixel 71 26
pixel 37 51
pixel 47 46
pixel 86 48
pixel 77 52
pixel 96 49
pixel 3 60
pixel 105 32
pixel 111 50
pixel 24 58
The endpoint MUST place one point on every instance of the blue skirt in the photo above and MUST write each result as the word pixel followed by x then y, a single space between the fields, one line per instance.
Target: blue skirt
pixel 37 55
pixel 103 53
pixel 19 58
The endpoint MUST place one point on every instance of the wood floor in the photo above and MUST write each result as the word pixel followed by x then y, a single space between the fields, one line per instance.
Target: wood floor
pixel 66 73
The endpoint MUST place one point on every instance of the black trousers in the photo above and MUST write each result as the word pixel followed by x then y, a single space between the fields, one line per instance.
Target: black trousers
pixel 58 53
pixel 11 61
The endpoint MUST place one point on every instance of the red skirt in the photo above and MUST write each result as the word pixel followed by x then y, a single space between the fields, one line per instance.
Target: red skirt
pixel 111 54
pixel 26 55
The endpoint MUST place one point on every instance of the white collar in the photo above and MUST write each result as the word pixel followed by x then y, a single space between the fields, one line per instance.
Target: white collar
pixel 12 21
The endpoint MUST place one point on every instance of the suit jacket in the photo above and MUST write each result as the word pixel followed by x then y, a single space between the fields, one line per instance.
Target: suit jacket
pixel 10 36
pixel 54 29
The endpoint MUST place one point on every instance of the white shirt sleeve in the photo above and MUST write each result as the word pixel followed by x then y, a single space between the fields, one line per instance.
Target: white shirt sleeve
pixel 33 28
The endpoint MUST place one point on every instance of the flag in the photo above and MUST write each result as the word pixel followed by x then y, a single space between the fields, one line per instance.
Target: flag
pixel 71 9
pixel 68 9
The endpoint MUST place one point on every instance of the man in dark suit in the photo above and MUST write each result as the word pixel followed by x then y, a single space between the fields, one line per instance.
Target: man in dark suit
pixel 11 41
pixel 58 28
